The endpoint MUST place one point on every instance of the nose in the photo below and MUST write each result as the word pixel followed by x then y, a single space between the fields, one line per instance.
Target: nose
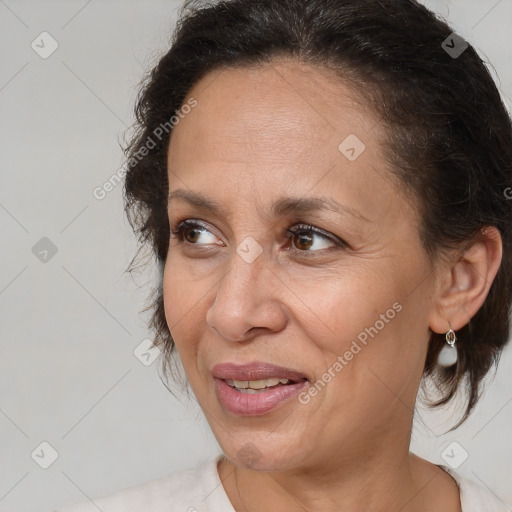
pixel 247 301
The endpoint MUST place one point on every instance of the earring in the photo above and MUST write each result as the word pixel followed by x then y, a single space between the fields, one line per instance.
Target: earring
pixel 448 355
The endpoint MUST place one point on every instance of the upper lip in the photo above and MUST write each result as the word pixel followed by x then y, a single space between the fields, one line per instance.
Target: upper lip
pixel 254 371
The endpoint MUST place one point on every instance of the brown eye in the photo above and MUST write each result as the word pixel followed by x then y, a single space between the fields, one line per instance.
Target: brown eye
pixel 304 237
pixel 189 231
pixel 303 241
pixel 190 234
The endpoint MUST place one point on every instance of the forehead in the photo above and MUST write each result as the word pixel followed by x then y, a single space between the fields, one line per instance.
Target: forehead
pixel 282 126
pixel 283 104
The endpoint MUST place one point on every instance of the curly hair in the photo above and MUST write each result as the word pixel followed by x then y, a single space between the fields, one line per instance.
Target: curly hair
pixel 449 134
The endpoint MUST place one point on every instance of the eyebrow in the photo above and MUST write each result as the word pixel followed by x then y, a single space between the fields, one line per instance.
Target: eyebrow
pixel 280 207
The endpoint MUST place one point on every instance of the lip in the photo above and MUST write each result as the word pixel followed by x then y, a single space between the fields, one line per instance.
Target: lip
pixel 263 402
pixel 254 371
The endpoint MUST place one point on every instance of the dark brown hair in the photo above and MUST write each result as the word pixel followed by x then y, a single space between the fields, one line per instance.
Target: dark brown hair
pixel 449 134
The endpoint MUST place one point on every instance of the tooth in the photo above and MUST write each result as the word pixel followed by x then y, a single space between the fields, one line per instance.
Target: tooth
pixel 264 383
pixel 258 384
pixel 248 391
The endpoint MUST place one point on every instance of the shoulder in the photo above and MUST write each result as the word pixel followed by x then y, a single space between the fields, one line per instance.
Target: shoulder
pixel 475 498
pixel 194 490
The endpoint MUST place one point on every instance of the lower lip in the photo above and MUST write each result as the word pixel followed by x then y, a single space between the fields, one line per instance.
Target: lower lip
pixel 245 404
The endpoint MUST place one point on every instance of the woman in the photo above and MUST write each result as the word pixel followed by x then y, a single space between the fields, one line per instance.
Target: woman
pixel 324 185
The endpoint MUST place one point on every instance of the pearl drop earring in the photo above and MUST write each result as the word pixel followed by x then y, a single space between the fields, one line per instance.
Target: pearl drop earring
pixel 448 355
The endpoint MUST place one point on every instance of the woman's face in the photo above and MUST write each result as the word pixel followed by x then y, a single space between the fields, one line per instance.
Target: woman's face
pixel 345 306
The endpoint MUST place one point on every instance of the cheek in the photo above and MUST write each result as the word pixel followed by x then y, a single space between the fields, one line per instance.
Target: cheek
pixel 372 321
pixel 391 361
pixel 182 304
pixel 344 307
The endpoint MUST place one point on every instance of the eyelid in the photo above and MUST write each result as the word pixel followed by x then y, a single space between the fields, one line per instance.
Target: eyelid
pixel 180 225
pixel 190 222
pixel 309 228
pixel 296 228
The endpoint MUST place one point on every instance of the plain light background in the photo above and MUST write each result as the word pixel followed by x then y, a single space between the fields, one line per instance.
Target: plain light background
pixel 70 325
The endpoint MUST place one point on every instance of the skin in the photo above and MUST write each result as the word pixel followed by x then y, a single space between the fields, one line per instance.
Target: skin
pixel 258 134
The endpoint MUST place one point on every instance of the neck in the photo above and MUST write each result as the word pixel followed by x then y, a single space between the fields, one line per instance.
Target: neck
pixel 390 479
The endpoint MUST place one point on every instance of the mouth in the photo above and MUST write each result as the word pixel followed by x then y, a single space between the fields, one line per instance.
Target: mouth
pixel 256 388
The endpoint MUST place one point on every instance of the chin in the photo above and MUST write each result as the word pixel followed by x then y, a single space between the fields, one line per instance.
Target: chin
pixel 261 453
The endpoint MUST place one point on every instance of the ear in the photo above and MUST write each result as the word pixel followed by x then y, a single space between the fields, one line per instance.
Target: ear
pixel 464 282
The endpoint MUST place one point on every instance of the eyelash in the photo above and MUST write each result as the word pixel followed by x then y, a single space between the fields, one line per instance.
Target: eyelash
pixel 290 233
